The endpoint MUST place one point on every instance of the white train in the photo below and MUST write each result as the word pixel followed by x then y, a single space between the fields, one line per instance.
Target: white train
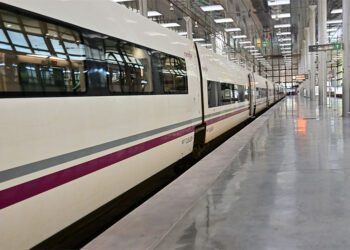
pixel 95 99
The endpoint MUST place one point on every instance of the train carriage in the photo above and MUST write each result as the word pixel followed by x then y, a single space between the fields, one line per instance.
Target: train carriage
pixel 90 109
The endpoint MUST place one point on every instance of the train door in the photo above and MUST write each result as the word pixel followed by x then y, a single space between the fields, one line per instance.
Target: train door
pixel 251 94
pixel 274 93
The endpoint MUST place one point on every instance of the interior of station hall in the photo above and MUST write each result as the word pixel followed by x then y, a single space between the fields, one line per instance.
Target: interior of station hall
pixel 271 38
pixel 123 121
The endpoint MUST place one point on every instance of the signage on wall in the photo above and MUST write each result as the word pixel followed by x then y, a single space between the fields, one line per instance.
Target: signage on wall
pixel 326 47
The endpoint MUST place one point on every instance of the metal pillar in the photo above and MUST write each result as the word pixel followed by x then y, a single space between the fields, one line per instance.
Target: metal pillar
pixel 307 61
pixel 143 7
pixel 213 42
pixel 312 41
pixel 346 78
pixel 189 26
pixel 322 39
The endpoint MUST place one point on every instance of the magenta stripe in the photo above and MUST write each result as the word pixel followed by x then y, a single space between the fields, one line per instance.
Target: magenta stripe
pixel 34 187
pixel 217 119
pixel 37 186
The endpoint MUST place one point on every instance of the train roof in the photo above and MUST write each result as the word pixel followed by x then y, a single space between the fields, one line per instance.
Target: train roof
pixel 110 19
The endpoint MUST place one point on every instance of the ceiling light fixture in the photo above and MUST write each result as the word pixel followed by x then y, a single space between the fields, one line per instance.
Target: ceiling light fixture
pixel 337 11
pixel 245 42
pixel 212 8
pixel 239 37
pixel 153 13
pixel 279 16
pixel 170 25
pixel 224 20
pixel 334 21
pixel 233 29
pixel 198 39
pixel 277 2
pixel 284 33
pixel 278 26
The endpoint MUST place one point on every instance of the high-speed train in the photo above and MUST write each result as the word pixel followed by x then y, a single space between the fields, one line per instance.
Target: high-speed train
pixel 95 99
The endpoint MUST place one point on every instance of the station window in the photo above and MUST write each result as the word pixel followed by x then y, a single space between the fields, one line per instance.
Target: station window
pixel 29 62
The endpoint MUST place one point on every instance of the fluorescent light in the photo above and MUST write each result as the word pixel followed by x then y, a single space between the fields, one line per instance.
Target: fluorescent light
pixel 206 44
pixel 337 11
pixel 282 26
pixel 233 29
pixel 224 20
pixel 277 2
pixel 286 48
pixel 334 21
pixel 198 39
pixel 121 1
pixel 332 30
pixel 253 50
pixel 279 16
pixel 239 37
pixel 153 13
pixel 170 25
pixel 245 42
pixel 182 33
pixel 249 47
pixel 285 44
pixel 285 39
pixel 212 8
pixel 284 33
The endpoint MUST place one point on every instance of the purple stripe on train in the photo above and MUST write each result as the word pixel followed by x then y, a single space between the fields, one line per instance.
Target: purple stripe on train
pixel 34 187
pixel 37 186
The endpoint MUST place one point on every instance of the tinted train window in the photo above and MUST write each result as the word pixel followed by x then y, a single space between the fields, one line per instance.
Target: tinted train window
pixel 129 68
pixel 38 57
pixel 220 94
pixel 170 73
pixel 133 69
pixel 261 93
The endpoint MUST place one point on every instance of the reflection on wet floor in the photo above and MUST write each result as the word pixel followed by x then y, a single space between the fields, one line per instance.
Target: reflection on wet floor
pixel 289 188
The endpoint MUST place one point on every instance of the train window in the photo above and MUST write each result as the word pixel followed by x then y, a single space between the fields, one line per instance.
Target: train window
pixel 29 60
pixel 220 94
pixel 170 73
pixel 241 93
pixel 228 94
pixel 213 94
pixel 128 68
pixel 261 93
pixel 48 78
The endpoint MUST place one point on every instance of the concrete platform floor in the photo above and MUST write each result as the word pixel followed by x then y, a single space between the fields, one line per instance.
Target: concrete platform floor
pixel 288 188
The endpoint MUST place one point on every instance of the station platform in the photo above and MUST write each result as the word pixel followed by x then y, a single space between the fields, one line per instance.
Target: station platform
pixel 283 182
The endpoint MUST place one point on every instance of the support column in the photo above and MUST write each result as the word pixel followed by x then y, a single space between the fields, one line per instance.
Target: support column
pixel 143 7
pixel 189 26
pixel 307 60
pixel 322 39
pixel 213 42
pixel 312 41
pixel 346 78
pixel 305 67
